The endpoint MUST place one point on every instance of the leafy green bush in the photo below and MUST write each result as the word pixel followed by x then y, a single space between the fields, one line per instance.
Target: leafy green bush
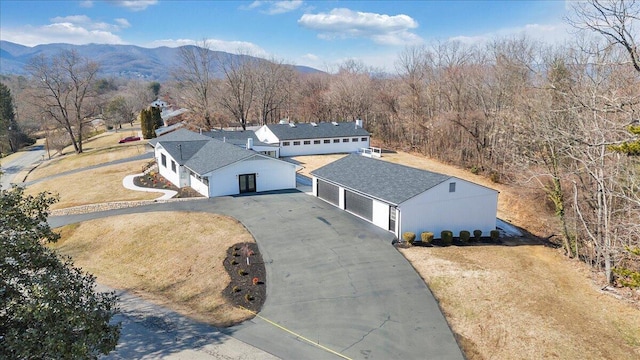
pixel 477 234
pixel 447 237
pixel 242 272
pixel 409 237
pixel 465 235
pixel 426 237
pixel 495 235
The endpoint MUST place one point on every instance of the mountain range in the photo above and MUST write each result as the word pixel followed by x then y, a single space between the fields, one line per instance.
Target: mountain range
pixel 126 61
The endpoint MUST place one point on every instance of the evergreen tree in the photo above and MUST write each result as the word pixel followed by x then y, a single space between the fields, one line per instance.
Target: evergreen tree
pixel 8 125
pixel 48 308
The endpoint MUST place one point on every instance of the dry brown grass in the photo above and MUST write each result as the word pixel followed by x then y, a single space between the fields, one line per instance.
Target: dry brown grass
pixel 312 162
pixel 171 258
pixel 526 302
pixel 95 186
pixel 97 150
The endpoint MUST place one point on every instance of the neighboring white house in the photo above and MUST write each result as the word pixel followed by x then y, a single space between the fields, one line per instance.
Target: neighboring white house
pixel 216 168
pixel 315 138
pixel 399 198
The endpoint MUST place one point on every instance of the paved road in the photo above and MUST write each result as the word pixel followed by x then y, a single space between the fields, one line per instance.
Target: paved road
pixel 333 280
pixel 29 157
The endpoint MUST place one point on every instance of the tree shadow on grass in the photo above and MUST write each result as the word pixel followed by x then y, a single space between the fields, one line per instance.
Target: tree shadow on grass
pixel 151 331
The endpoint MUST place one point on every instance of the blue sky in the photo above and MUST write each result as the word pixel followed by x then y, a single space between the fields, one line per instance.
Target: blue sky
pixel 320 34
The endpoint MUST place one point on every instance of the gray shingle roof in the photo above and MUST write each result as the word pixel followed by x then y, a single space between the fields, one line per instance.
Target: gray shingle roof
pixel 201 153
pixel 216 154
pixel 238 138
pixel 178 135
pixel 383 180
pixel 322 130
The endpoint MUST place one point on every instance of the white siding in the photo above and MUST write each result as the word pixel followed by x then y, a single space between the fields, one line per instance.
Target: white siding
pixel 322 148
pixel 470 207
pixel 199 186
pixel 381 214
pixel 166 172
pixel 270 175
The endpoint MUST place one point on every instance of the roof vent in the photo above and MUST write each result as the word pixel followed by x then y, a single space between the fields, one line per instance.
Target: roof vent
pixel 283 121
pixel 334 123
pixel 314 124
pixel 292 124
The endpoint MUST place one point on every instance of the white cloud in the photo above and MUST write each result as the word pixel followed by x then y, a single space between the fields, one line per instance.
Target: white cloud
pixel 233 47
pixel 123 23
pixel 86 4
pixel 74 29
pixel 134 5
pixel 280 7
pixel 274 7
pixel 345 23
pixel 549 33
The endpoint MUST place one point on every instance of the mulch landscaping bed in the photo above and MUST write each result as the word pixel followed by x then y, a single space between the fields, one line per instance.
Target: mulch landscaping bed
pixel 154 180
pixel 247 287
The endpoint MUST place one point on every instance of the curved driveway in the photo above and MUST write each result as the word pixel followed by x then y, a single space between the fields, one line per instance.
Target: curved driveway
pixel 332 279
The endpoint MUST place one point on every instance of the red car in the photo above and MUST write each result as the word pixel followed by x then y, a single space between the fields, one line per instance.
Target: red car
pixel 129 139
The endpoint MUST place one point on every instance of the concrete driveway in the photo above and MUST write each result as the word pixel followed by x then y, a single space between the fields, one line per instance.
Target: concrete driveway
pixel 336 288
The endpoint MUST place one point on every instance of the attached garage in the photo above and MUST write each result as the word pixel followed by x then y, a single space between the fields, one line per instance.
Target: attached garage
pixel 399 198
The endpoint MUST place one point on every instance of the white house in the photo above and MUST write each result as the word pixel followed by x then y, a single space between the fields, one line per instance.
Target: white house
pixel 216 168
pixel 315 138
pixel 399 198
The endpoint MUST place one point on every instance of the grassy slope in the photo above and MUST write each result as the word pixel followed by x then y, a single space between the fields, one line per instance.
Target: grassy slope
pixel 171 258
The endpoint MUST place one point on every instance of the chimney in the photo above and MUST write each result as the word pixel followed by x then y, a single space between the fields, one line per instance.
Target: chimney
pixel 358 124
pixel 249 144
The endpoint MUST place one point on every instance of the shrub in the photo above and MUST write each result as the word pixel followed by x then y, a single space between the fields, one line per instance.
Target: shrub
pixel 465 235
pixel 447 237
pixel 234 262
pixel 242 272
pixel 255 281
pixel 236 289
pixel 495 235
pixel 248 297
pixel 426 237
pixel 409 237
pixel 477 234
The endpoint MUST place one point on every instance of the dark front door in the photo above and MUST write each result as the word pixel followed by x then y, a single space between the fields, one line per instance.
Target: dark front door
pixel 247 183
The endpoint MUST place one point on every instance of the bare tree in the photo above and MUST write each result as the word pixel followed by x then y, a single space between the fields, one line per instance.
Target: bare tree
pixel 238 86
pixel 196 75
pixel 273 81
pixel 66 84
pixel 350 91
pixel 616 20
